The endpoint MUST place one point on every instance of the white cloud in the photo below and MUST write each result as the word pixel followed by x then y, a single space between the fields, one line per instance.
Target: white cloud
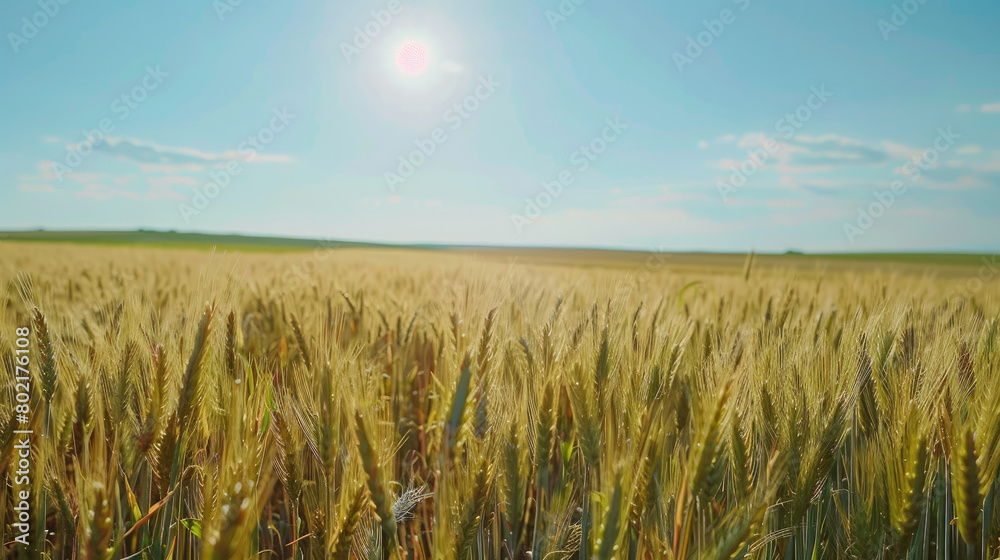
pixel 970 149
pixel 989 166
pixel 665 198
pixel 170 180
pixel 962 183
pixel 830 154
pixel 785 203
pixel 813 216
pixel 152 154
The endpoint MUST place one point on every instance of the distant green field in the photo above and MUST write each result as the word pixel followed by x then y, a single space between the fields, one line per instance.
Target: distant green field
pixel 553 256
pixel 956 259
pixel 177 240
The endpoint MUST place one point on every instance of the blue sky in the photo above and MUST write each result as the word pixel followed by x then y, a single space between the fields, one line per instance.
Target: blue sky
pixel 717 125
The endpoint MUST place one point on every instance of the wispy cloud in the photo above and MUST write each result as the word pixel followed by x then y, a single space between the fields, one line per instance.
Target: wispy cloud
pixel 95 186
pixel 86 177
pixel 47 170
pixel 960 183
pixel 785 203
pixel 835 150
pixel 959 176
pixel 666 198
pixel 828 186
pixel 37 188
pixel 171 180
pixel 154 157
pixel 813 163
pixel 815 215
pixel 993 107
pixel 603 221
pixel 99 191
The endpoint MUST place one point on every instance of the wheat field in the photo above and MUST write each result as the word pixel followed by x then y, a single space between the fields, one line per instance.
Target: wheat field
pixel 373 404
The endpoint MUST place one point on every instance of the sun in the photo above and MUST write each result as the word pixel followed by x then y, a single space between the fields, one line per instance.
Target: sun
pixel 411 58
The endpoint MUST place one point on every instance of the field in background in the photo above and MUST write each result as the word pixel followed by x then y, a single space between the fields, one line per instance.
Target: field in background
pixel 941 263
pixel 376 402
pixel 166 240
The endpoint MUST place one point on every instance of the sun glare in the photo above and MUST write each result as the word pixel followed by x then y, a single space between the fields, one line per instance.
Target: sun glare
pixel 411 58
